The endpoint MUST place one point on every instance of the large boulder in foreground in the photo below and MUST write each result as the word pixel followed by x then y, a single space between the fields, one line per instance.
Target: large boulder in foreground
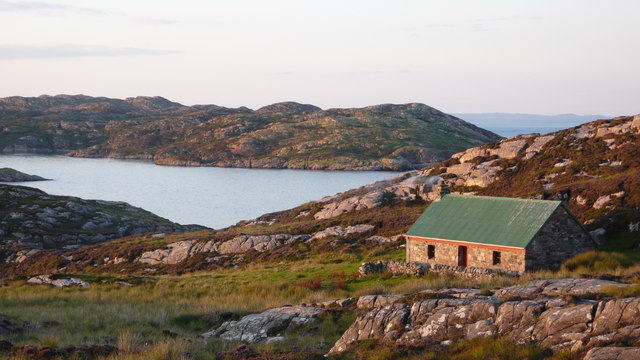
pixel 270 325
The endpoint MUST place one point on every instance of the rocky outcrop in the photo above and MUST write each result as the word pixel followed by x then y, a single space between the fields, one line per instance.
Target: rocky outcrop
pixel 376 301
pixel 545 319
pixel 181 250
pixel 558 287
pixel 368 201
pixel 339 231
pixel 61 282
pixel 31 217
pixel 479 167
pixel 613 353
pixel 408 187
pixel 11 175
pixel 268 326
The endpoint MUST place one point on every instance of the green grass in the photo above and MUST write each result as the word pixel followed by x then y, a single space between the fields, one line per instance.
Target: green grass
pixel 134 317
pixel 484 349
pixel 106 310
pixel 599 262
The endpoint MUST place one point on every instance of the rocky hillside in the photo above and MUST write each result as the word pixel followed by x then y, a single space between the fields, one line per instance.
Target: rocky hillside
pixel 30 217
pixel 282 135
pixel 59 124
pixel 310 255
pixel 12 175
pixel 595 167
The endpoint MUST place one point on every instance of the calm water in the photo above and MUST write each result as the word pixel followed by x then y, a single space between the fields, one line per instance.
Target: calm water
pixel 214 197
pixel 510 131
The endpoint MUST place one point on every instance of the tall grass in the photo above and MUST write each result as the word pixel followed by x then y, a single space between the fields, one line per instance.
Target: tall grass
pixel 598 261
pixel 134 318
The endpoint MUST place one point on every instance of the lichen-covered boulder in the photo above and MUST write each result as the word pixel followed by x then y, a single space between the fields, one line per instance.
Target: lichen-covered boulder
pixel 267 326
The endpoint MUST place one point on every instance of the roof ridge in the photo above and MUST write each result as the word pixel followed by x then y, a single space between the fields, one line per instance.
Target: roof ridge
pixel 502 198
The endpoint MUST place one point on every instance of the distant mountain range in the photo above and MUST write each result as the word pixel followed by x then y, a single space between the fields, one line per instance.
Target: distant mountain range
pixel 527 120
pixel 282 135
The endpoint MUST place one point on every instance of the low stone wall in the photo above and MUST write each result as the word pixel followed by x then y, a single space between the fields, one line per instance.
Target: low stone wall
pixel 418 269
pixel 394 267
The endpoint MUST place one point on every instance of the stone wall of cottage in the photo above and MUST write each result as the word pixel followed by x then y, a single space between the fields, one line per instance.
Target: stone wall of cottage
pixel 560 238
pixel 447 254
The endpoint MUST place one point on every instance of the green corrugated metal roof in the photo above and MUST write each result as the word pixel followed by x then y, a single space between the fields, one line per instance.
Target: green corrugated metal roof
pixel 484 220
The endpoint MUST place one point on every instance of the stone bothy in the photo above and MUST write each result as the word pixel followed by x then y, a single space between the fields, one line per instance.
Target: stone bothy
pixel 497 233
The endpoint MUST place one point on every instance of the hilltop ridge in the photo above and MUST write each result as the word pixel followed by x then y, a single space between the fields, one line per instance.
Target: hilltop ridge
pixel 281 135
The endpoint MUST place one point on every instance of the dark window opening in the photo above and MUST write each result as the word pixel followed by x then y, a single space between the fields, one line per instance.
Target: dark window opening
pixel 496 257
pixel 431 251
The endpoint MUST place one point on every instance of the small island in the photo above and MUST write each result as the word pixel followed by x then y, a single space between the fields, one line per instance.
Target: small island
pixel 12 175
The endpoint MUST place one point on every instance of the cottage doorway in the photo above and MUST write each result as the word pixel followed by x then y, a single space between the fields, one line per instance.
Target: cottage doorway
pixel 462 256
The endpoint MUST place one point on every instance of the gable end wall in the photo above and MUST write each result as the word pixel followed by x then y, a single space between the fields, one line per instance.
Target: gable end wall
pixel 559 239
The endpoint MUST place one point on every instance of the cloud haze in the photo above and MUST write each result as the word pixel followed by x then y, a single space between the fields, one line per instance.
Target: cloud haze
pixel 46 7
pixel 18 52
pixel 544 56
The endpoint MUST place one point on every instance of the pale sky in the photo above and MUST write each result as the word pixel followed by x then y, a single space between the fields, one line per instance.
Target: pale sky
pixel 535 56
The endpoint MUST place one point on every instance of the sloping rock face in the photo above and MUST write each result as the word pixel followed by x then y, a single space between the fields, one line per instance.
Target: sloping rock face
pixel 543 319
pixel 593 167
pixel 408 187
pixel 33 218
pixel 613 353
pixel 268 326
pixel 179 251
pixel 340 231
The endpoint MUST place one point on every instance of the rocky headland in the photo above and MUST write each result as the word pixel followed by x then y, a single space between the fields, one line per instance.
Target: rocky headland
pixel 281 135
pixel 12 175
pixel 32 218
